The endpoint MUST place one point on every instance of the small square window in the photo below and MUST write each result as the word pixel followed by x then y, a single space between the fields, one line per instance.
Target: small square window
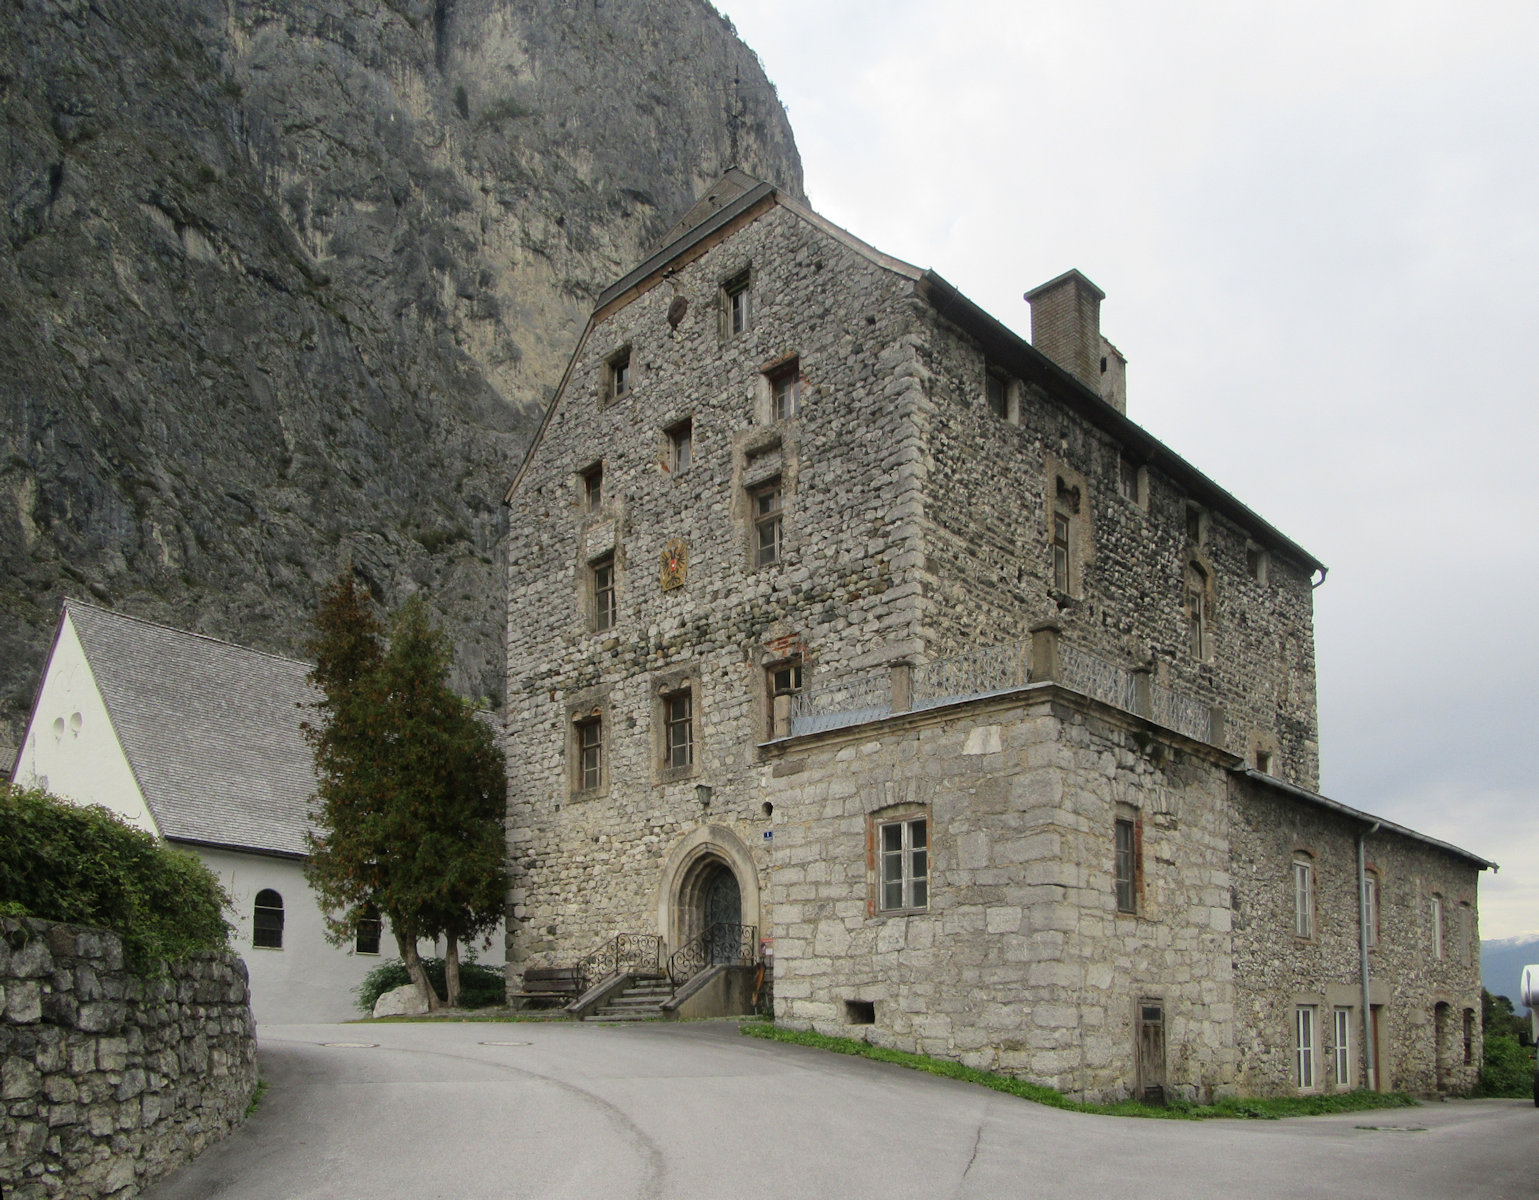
pixel 996 390
pixel 785 391
pixel 767 513
pixel 678 731
pixel 736 300
pixel 905 871
pixel 785 685
pixel 681 445
pixel 1264 761
pixel 601 574
pixel 593 487
pixel 618 374
pixel 590 753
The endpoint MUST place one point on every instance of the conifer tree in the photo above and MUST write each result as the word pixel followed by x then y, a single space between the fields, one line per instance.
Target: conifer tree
pixel 410 786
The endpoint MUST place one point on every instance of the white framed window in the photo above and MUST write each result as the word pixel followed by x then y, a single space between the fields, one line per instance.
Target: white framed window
pixel 1126 835
pixel 737 304
pixel 601 577
pixel 1303 897
pixel 590 753
pixel 1371 907
pixel 1437 927
pixel 1343 1048
pixel 904 852
pixel 678 731
pixel 767 513
pixel 786 390
pixel 1304 1041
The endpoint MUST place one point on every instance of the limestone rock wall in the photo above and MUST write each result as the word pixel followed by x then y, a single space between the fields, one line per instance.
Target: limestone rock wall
pixel 285 285
pixel 107 1080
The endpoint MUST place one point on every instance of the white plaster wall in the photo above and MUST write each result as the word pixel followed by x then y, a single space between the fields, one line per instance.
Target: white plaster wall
pixel 71 748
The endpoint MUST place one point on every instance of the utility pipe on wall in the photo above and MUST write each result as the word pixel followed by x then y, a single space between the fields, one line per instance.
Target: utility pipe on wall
pixel 1370 1051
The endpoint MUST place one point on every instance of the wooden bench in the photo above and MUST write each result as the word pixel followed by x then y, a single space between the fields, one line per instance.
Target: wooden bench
pixel 551 983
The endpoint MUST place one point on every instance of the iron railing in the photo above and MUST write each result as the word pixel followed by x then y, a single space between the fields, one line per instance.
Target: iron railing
pixel 980 671
pixel 722 943
pixel 850 700
pixel 623 952
pixel 1090 675
pixel 1186 716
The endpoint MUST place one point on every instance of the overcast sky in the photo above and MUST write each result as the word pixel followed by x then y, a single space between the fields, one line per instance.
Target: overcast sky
pixel 1317 226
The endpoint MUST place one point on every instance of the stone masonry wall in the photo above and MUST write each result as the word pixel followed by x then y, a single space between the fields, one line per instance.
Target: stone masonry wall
pixel 107 1080
pixel 1021 961
pixel 587 865
pixel 989 565
pixel 1276 971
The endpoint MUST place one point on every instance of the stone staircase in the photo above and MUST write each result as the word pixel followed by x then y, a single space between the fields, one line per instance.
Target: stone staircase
pixel 642 1001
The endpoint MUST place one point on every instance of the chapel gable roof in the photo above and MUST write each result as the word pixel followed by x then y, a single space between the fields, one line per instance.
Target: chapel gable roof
pixel 210 729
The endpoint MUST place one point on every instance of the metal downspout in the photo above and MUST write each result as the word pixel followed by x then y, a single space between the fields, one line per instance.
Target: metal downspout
pixel 1370 1051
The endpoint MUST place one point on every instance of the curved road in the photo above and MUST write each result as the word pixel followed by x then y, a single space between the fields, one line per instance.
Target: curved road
pixel 548 1111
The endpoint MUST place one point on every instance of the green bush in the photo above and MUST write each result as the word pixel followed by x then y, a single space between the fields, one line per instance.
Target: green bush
pixel 480 987
pixel 87 866
pixel 1508 1068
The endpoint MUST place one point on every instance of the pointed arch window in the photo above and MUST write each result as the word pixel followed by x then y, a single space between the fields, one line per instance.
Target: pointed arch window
pixel 267 920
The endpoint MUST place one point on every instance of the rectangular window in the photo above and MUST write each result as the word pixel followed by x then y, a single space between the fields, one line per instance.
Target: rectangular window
pixel 1127 866
pixel 735 301
pixel 1303 898
pixel 602 574
pixel 618 374
pixel 996 390
pixel 678 731
pixel 1371 908
pixel 1343 1047
pixel 590 754
pixel 1304 1022
pixel 681 445
pixel 1264 761
pixel 1256 563
pixel 905 865
pixel 1127 479
pixel 1437 927
pixel 785 684
pixel 765 501
pixel 366 935
pixel 785 391
pixel 1194 524
pixel 593 487
pixel 1060 552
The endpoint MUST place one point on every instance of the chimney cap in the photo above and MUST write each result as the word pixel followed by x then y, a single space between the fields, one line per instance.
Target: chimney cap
pixel 1073 273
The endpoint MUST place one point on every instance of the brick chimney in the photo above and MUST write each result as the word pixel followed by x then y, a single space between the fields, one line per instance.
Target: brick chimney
pixel 1066 326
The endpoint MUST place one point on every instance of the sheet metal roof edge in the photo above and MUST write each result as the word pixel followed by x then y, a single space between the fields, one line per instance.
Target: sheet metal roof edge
pixel 1029 362
pixel 1358 814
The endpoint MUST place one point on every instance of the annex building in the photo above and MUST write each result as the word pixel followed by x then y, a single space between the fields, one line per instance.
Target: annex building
pixel 849 632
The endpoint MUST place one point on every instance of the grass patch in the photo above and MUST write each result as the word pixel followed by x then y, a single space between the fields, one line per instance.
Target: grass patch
pixel 256 1096
pixel 1253 1109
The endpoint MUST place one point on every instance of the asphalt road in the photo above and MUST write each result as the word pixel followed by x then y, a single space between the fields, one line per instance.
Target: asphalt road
pixel 472 1111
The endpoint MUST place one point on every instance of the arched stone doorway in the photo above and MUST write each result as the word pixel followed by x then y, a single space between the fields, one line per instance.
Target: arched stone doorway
pixel 708 879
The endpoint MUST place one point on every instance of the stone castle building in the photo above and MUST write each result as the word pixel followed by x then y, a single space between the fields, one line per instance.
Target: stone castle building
pixel 846 622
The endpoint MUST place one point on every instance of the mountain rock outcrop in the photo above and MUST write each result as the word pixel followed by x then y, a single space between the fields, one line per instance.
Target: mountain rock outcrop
pixel 285 284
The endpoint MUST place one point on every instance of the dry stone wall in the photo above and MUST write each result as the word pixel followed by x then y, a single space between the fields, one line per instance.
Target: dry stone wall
pixel 109 1080
pixel 992 485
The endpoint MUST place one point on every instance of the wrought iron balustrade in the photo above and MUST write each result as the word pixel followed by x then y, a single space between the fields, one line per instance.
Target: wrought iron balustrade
pixel 623 952
pixel 1181 713
pixel 1093 676
pixel 835 703
pixel 980 671
pixel 721 943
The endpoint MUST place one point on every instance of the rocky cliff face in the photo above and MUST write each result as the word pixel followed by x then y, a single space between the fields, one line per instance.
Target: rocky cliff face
pixel 285 284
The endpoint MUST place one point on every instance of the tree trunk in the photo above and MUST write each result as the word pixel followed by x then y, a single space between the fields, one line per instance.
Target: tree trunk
pixel 451 970
pixel 408 948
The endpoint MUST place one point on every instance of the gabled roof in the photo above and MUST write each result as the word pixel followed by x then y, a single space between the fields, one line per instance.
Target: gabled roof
pixel 210 729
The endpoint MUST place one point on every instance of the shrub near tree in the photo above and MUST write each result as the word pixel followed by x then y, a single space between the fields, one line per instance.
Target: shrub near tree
pixel 410 786
pixel 87 866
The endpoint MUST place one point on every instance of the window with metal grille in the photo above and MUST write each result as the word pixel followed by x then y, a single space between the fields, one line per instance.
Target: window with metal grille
pixel 602 574
pixel 590 753
pixel 678 730
pixel 1343 1049
pixel 1127 866
pixel 905 875
pixel 267 920
pixel 767 512
pixel 1371 907
pixel 1304 1022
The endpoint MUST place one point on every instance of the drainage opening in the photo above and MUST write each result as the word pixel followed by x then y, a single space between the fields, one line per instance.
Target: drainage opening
pixel 860 1012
